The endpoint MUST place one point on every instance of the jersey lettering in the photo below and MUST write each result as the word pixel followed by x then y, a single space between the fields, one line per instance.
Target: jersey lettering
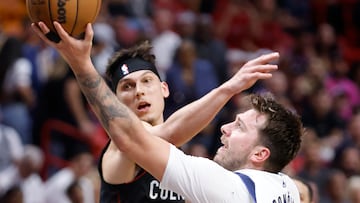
pixel 285 198
pixel 156 192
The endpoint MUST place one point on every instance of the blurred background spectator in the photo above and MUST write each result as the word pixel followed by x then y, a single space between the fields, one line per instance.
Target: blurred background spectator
pixel 25 174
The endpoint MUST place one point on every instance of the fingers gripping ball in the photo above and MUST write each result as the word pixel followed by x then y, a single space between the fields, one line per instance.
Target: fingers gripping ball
pixel 73 15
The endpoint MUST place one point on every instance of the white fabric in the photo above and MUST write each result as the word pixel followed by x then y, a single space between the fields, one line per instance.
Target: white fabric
pixel 164 47
pixel 19 75
pixel 270 187
pixel 46 62
pixel 201 180
pixel 57 184
pixel 8 178
pixel 32 187
pixel 13 141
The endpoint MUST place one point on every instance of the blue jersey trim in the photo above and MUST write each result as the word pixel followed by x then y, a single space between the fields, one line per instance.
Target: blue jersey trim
pixel 250 185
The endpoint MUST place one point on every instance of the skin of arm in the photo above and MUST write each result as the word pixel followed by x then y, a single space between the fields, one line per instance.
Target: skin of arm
pixel 209 105
pixel 130 135
pixel 125 129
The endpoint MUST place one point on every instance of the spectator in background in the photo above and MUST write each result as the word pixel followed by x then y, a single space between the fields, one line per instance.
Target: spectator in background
pixel 56 186
pixel 319 114
pixel 74 192
pixel 185 24
pixel 353 189
pixel 295 15
pixel 25 174
pixel 279 86
pixel 165 40
pixel 305 190
pixel 348 160
pixel 334 188
pixel 343 90
pixel 142 10
pixel 210 48
pixel 63 101
pixel 190 78
pixel 326 44
pixel 17 97
pixel 11 147
pixel 236 24
pixel 303 85
pixel 127 27
pixel 173 6
pixel 352 133
pixel 104 46
pixel 270 33
pixel 314 167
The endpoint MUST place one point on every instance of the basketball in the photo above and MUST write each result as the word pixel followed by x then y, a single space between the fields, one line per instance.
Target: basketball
pixel 73 15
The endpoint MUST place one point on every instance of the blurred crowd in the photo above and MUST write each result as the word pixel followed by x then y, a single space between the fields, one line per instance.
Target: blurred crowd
pixel 50 140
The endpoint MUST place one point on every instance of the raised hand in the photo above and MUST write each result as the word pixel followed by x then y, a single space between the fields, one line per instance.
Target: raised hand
pixel 76 52
pixel 250 72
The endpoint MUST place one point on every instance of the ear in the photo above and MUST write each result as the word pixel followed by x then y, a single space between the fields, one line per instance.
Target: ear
pixel 260 155
pixel 165 89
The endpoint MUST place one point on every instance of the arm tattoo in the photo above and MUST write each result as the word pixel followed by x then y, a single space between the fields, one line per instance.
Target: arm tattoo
pixel 102 99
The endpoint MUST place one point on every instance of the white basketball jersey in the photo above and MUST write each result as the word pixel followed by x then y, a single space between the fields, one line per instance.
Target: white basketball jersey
pixel 269 187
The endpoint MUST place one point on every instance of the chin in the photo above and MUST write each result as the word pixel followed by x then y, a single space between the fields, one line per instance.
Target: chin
pixel 217 158
pixel 147 119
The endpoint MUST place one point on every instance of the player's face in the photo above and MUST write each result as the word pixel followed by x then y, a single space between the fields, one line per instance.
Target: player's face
pixel 239 138
pixel 144 93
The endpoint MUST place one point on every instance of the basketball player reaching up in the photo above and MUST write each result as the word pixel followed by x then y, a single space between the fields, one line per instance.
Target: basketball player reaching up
pixel 257 145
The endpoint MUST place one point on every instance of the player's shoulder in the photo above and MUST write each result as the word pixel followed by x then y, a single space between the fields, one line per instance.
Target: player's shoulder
pixel 259 175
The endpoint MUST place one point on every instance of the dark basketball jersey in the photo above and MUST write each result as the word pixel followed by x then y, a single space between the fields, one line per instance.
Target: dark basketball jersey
pixel 144 188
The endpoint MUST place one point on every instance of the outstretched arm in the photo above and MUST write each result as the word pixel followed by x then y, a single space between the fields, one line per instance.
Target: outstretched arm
pixel 185 123
pixel 126 130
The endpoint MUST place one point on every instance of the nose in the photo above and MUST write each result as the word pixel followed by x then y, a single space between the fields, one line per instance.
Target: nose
pixel 139 90
pixel 225 129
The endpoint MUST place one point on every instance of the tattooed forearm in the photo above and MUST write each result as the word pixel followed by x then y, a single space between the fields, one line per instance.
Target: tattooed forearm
pixel 89 85
pixel 102 99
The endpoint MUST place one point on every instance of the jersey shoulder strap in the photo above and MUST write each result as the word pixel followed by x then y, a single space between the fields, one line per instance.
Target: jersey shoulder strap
pixel 250 185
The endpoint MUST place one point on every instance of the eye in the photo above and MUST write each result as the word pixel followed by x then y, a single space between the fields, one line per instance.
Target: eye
pixel 239 125
pixel 126 86
pixel 147 80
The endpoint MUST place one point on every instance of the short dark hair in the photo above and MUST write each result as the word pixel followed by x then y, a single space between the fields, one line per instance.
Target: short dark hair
pixel 282 133
pixel 141 51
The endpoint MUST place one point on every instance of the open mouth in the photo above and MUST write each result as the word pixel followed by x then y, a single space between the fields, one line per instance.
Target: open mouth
pixel 224 145
pixel 143 106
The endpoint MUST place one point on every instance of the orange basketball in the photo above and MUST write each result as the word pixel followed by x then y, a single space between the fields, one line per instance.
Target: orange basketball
pixel 73 15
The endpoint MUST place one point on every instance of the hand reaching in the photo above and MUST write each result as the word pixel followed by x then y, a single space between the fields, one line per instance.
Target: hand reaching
pixel 250 72
pixel 76 52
